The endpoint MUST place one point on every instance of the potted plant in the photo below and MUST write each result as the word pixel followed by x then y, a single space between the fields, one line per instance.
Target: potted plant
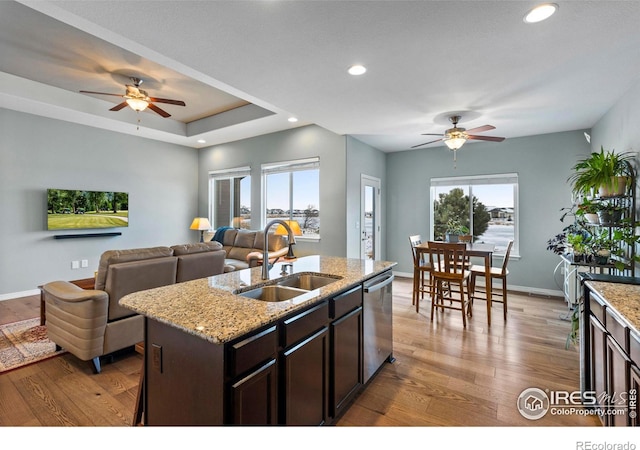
pixel 627 236
pixel 454 230
pixel 601 247
pixel 589 210
pixel 610 214
pixel 602 172
pixel 577 241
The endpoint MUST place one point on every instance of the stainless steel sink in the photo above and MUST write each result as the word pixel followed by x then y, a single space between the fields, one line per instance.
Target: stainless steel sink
pixel 273 293
pixel 308 281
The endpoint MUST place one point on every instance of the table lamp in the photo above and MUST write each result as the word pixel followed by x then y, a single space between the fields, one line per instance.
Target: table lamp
pixel 201 224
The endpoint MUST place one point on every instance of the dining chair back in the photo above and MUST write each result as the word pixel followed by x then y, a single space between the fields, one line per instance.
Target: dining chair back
pixel 499 273
pixel 451 274
pixel 421 272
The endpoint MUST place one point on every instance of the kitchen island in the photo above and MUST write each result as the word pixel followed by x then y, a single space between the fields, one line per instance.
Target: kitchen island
pixel 216 357
pixel 610 348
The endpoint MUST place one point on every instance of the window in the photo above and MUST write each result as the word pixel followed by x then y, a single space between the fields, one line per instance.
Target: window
pixel 292 192
pixel 230 198
pixel 487 205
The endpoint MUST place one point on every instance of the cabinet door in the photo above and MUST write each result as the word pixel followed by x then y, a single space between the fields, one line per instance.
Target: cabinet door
pixel 254 398
pixel 617 383
pixel 305 381
pixel 346 359
pixel 598 362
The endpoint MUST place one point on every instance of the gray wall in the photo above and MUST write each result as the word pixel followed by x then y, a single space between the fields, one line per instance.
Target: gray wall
pixel 298 143
pixel 619 128
pixel 543 164
pixel 37 153
pixel 362 159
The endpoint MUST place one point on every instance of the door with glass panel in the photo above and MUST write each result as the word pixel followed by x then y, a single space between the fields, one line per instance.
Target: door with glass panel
pixel 370 214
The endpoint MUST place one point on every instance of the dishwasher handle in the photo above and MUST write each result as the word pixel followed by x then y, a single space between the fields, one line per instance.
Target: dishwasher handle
pixel 368 288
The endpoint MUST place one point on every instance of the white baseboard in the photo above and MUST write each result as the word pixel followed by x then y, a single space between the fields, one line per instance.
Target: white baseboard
pixel 13 295
pixel 523 289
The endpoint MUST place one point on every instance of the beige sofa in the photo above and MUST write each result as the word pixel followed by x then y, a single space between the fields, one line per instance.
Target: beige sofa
pixel 91 323
pixel 244 248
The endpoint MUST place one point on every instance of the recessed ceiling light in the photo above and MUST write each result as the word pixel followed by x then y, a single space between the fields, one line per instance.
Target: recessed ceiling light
pixel 292 119
pixel 540 13
pixel 357 69
pixel 201 141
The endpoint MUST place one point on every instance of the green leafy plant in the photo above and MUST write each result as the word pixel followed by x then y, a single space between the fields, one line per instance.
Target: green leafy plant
pixel 600 169
pixel 454 226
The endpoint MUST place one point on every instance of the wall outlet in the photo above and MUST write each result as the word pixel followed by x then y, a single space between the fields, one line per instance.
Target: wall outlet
pixel 85 263
pixel 75 264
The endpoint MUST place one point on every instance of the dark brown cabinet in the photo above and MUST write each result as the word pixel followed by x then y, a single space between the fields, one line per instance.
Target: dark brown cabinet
pixel 253 392
pixel 303 369
pixel 305 381
pixel 610 356
pixel 598 359
pixel 346 349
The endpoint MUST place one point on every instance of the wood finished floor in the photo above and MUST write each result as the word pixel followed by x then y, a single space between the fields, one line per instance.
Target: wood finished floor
pixel 444 375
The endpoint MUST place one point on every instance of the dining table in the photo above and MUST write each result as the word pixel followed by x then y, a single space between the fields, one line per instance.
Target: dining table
pixel 481 250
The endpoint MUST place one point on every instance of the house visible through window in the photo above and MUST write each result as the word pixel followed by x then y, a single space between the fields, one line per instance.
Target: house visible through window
pixel 292 192
pixel 486 205
pixel 230 198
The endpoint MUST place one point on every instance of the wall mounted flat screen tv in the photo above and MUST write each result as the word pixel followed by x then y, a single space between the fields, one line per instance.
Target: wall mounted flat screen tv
pixel 74 210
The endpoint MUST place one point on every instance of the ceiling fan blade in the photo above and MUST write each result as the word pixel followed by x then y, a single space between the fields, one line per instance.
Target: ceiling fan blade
pixel 163 113
pixel 431 134
pixel 119 106
pixel 481 129
pixel 100 93
pixel 485 138
pixel 430 142
pixel 166 100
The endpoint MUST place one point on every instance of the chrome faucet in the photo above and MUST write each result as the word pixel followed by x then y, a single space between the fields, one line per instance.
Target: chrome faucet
pixel 265 256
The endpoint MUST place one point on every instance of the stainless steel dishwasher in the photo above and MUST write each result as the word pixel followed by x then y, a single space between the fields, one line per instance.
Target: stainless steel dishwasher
pixel 377 326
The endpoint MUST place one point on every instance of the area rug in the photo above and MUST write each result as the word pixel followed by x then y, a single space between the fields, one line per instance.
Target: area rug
pixel 23 343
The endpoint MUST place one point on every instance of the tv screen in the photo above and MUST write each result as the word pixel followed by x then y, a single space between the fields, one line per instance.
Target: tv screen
pixel 73 210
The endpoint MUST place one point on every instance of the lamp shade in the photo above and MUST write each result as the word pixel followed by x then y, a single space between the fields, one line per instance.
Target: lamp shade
pixel 293 224
pixel 137 104
pixel 455 143
pixel 200 223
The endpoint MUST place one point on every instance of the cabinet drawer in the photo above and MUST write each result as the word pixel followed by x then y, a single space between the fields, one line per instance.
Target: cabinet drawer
pixel 617 329
pixel 304 324
pixel 346 302
pixel 255 349
pixel 597 308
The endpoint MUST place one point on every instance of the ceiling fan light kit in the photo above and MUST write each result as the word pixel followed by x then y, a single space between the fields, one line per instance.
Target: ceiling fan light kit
pixel 138 99
pixel 455 137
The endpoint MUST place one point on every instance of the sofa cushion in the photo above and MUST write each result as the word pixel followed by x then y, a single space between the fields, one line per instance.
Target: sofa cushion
pixel 205 264
pixel 119 256
pixel 128 277
pixel 200 247
pixel 245 239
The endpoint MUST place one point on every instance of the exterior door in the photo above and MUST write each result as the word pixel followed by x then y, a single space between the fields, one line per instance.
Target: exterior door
pixel 370 218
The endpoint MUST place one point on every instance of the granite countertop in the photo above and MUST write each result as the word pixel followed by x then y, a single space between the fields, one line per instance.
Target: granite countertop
pixel 208 308
pixel 624 298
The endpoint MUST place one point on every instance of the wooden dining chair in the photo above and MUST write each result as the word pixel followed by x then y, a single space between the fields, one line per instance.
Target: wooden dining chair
pixel 499 273
pixel 450 277
pixel 421 272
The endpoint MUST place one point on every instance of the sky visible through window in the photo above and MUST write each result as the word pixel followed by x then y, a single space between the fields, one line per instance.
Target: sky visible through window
pixel 305 190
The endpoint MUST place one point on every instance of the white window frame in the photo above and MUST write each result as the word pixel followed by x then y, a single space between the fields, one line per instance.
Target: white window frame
pixel 224 174
pixel 477 180
pixel 283 167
